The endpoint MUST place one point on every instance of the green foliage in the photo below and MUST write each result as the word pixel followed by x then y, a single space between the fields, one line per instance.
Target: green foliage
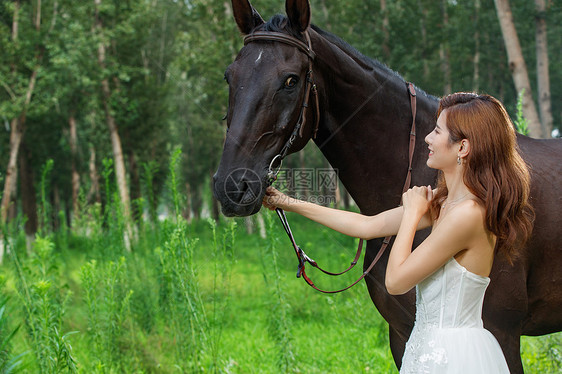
pixel 8 362
pixel 542 354
pixel 279 308
pixel 185 299
pixel 165 61
pixel 44 206
pixel 44 302
pixel 173 181
pixel 223 259
pixel 214 300
pixel 149 171
pixel 181 298
pixel 108 305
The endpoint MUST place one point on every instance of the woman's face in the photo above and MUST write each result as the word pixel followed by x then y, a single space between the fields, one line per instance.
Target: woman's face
pixel 442 153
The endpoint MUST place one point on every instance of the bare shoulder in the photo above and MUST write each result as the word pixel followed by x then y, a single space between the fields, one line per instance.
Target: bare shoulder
pixel 467 213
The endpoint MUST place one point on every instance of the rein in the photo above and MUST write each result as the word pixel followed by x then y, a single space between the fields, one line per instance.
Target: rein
pixel 310 86
pixel 304 258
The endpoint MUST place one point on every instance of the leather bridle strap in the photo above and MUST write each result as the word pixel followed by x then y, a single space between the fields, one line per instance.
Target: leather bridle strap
pixel 310 87
pixel 272 36
pixel 303 257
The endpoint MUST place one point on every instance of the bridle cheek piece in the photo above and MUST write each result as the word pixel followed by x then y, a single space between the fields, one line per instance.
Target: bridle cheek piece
pixel 310 86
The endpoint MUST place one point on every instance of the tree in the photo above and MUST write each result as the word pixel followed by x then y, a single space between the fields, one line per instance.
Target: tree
pixel 518 66
pixel 118 158
pixel 23 85
pixel 543 77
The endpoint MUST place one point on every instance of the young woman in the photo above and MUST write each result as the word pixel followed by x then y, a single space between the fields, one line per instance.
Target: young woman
pixel 480 208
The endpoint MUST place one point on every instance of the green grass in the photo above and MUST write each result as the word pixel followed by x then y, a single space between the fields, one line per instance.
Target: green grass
pixel 198 298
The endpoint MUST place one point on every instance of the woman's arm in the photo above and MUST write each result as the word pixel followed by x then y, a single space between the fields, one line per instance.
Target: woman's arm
pixel 455 233
pixel 348 223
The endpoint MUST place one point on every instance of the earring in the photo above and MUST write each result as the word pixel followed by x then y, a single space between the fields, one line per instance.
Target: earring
pixel 458 160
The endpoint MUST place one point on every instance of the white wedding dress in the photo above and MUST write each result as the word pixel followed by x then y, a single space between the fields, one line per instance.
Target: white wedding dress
pixel 448 335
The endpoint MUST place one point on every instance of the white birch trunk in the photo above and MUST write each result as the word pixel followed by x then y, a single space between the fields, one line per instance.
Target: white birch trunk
pixel 518 67
pixel 119 162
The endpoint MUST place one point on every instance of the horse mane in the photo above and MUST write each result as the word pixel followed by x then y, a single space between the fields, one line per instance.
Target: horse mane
pixel 281 23
pixel 363 60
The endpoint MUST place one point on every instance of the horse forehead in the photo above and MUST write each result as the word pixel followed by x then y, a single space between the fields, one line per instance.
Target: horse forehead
pixel 275 56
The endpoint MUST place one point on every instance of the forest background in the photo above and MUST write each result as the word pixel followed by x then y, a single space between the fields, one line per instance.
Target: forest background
pixel 98 97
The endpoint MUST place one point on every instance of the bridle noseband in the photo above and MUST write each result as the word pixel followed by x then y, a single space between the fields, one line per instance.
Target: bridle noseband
pixel 298 129
pixel 305 48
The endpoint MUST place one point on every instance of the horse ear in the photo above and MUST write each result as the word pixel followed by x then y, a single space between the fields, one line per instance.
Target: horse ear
pixel 247 18
pixel 298 12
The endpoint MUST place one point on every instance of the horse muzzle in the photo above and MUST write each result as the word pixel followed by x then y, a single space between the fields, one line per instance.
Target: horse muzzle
pixel 240 192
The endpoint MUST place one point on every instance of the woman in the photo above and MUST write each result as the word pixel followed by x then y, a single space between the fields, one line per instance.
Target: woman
pixel 479 209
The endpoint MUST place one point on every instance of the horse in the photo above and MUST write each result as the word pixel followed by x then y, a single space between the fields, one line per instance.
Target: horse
pixel 358 112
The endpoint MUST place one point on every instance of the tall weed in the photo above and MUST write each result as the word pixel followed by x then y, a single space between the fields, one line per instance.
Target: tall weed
pixel 181 299
pixel 8 362
pixel 44 302
pixel 107 298
pixel 149 171
pixel 223 259
pixel 44 207
pixel 279 307
pixel 180 294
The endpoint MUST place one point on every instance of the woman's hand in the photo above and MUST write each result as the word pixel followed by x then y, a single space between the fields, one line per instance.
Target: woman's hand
pixel 416 200
pixel 276 199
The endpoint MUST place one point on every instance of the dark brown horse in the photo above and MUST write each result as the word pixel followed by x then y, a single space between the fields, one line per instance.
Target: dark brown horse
pixel 363 131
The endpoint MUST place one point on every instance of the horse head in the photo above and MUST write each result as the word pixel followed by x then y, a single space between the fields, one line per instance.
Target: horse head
pixel 269 87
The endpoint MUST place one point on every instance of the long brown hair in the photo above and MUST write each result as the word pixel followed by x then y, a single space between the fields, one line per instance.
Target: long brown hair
pixel 494 170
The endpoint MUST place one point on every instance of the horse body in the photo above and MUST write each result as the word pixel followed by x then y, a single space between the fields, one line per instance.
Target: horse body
pixel 364 127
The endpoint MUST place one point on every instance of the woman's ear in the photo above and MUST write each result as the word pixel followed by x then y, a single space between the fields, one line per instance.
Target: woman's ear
pixel 464 149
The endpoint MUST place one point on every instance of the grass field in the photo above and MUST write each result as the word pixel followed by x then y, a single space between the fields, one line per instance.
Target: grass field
pixel 194 298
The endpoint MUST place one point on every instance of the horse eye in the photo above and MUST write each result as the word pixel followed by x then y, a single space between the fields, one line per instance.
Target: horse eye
pixel 291 82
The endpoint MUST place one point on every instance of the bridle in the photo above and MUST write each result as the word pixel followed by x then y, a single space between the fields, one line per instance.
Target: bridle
pixel 309 88
pixel 302 257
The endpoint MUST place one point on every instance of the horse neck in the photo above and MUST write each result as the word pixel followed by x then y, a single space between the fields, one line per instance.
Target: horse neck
pixel 365 125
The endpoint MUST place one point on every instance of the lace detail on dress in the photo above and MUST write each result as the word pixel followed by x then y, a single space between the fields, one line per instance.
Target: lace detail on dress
pixel 423 351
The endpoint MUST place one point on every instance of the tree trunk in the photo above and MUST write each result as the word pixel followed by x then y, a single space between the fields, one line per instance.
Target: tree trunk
pixel 119 162
pixel 543 82
pixel 444 52
pixel 518 67
pixel 17 127
pixel 28 193
pixel 135 186
pixel 423 31
pixel 55 212
pixel 15 141
pixel 94 193
pixel 385 32
pixel 74 160
pixel 476 57
pixel 11 172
